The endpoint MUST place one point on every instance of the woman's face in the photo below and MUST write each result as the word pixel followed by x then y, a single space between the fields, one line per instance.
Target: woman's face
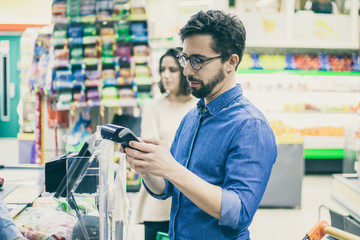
pixel 170 74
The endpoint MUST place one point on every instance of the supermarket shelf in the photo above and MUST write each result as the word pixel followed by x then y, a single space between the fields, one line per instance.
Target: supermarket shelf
pixel 302 44
pixel 301 120
pixel 299 72
pixel 315 112
pixel 305 115
pixel 323 142
pixel 105 103
pixel 287 91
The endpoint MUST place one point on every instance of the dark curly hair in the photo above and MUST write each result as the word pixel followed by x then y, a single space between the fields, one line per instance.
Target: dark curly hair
pixel 184 86
pixel 227 31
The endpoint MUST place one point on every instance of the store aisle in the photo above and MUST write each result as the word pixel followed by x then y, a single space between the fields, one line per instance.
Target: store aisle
pixel 286 224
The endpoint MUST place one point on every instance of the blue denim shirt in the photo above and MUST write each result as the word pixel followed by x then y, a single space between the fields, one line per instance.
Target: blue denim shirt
pixel 8 229
pixel 228 143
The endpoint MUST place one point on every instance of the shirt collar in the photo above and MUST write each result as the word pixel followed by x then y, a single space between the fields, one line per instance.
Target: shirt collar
pixel 220 102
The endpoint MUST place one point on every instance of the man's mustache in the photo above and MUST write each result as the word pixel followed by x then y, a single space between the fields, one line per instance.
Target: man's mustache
pixel 191 79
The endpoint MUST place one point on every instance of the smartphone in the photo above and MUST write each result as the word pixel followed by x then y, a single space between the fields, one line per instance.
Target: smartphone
pixel 118 134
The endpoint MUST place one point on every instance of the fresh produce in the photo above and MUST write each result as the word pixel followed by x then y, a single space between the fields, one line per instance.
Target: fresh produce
pixel 323 131
pixel 307 62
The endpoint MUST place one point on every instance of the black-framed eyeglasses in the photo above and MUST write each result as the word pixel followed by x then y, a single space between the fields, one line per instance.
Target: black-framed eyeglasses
pixel 195 62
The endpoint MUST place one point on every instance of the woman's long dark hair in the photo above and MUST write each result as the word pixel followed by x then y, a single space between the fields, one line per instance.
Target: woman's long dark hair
pixel 184 86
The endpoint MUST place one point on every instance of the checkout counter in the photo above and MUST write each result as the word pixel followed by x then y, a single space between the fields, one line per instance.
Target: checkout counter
pixel 23 183
pixel 83 194
pixel 346 192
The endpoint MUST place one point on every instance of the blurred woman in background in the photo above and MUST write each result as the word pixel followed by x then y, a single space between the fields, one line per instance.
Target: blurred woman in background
pixel 160 118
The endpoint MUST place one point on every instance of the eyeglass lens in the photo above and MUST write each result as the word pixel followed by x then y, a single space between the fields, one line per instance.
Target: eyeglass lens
pixel 194 61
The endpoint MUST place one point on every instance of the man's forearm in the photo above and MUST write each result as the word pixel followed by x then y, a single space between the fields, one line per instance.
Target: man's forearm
pixel 205 195
pixel 154 183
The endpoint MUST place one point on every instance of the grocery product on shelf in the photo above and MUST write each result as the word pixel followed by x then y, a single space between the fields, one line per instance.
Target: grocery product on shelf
pixel 100 47
pixel 76 137
pixel 273 62
pixel 323 131
pixel 307 62
pixel 308 107
pixel 285 134
pixel 246 62
pixel 288 61
pixel 26 104
pixel 341 63
pixel 133 180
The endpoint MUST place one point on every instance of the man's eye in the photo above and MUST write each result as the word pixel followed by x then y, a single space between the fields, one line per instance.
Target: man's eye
pixel 196 60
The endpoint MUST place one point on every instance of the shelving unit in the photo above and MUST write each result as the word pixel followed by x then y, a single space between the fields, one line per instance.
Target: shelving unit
pixel 101 54
pixel 302 103
pixel 98 59
pixel 303 96
pixel 287 27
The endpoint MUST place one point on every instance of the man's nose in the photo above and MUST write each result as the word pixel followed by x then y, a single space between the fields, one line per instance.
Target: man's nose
pixel 188 69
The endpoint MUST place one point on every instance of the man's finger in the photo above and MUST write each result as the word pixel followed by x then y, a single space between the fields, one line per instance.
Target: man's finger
pixel 141 146
pixel 154 141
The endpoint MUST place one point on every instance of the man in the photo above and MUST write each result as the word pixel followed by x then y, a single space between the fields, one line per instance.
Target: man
pixel 8 229
pixel 222 154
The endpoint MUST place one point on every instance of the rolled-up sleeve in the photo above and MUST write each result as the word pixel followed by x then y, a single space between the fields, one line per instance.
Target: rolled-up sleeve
pixel 230 208
pixel 167 192
pixel 252 152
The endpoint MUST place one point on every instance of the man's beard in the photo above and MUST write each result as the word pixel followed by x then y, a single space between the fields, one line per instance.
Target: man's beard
pixel 205 90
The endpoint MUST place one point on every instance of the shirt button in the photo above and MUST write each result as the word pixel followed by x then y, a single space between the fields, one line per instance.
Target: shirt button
pixel 205 110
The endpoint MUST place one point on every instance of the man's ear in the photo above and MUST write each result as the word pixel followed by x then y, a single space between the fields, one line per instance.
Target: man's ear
pixel 232 62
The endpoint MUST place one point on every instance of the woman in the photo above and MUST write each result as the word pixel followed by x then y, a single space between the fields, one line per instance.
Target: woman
pixel 161 118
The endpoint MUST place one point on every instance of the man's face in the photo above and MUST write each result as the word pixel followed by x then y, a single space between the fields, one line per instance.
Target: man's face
pixel 203 82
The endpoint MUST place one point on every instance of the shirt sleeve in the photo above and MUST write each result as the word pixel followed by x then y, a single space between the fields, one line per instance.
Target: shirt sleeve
pixel 167 192
pixel 8 229
pixel 252 153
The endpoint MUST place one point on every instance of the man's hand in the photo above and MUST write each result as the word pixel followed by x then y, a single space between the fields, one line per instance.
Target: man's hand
pixel 153 161
pixel 151 156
